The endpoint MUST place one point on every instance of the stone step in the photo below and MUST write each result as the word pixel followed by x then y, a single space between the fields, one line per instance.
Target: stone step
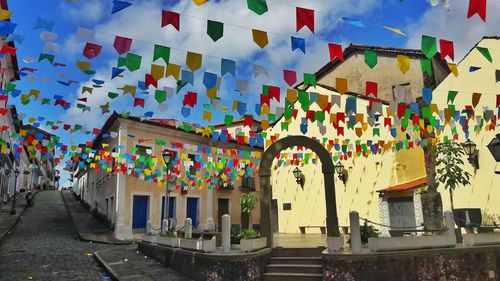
pixel 292 277
pixel 295 260
pixel 297 252
pixel 294 268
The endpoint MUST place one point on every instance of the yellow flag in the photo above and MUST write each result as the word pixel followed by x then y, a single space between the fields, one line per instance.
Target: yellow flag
pixel 129 89
pixel 291 95
pixel 193 61
pixel 212 93
pixel 5 15
pixel 173 70
pixel 157 71
pixel 200 2
pixel 395 30
pixel 235 105
pixel 207 115
pixel 264 124
pixel 265 110
pixel 453 68
pixel 23 133
pixel 341 85
pixel 260 37
pixel 403 63
pixel 34 92
pixel 323 101
pixel 83 65
pixel 4 149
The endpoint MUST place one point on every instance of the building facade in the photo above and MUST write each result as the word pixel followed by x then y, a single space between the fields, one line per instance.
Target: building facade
pixel 129 198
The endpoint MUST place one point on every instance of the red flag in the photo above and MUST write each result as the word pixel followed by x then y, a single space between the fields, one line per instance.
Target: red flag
pixel 305 17
pixel 498 100
pixel 151 81
pixel 265 99
pixel 6 49
pixel 96 131
pixel 335 51
pixel 190 99
pixel 83 99
pixel 66 127
pixel 3 111
pixel 172 18
pixel 91 50
pixel 122 44
pixel 447 49
pixel 5 128
pixel 290 77
pixel 371 88
pixel 139 102
pixel 477 7
pixel 248 121
pixel 274 92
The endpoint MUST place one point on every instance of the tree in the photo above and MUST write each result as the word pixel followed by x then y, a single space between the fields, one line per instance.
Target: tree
pixel 450 166
pixel 247 202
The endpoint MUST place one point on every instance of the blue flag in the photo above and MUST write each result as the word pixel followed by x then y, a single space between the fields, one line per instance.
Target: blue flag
pixel 119 5
pixel 227 66
pixel 298 43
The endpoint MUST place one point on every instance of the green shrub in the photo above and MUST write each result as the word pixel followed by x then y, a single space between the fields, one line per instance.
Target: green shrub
pixel 249 234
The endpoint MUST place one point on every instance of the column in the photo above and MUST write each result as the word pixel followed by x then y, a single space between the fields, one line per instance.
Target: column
pixel 122 230
pixel 265 207
pixel 210 209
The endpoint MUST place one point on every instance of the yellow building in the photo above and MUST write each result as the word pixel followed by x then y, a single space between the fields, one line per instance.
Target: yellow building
pixel 484 83
pixel 128 198
pixel 296 207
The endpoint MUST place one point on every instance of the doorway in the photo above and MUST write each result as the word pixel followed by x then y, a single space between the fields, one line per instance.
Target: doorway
pixel 171 207
pixel 140 213
pixel 222 209
pixel 401 212
pixel 192 209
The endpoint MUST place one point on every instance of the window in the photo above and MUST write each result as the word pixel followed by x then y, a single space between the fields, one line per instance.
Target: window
pixel 143 157
pixel 191 166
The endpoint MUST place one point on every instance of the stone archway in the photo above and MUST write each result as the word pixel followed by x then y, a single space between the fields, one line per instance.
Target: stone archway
pixel 265 183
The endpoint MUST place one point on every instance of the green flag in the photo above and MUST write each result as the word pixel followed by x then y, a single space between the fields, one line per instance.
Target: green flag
pixel 112 95
pixel 257 6
pixel 429 46
pixel 451 96
pixel 284 126
pixel 309 79
pixel 160 96
pixel 304 100
pixel 426 66
pixel 228 120
pixel 370 58
pixel 215 29
pixel 133 62
pixel 45 101
pixel 161 52
pixel 486 53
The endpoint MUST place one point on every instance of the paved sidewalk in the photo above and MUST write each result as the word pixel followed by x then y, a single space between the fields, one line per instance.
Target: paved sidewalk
pixel 7 220
pixel 127 263
pixel 89 228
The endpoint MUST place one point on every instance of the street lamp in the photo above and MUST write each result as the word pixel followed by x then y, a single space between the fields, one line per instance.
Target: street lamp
pixel 299 177
pixel 167 157
pixel 339 168
pixel 13 210
pixel 494 148
pixel 470 149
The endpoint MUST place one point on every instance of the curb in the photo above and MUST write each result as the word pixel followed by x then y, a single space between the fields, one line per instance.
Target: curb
pixel 18 217
pixel 108 269
pixel 82 236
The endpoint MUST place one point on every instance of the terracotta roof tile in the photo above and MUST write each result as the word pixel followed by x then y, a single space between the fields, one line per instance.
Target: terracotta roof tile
pixel 405 186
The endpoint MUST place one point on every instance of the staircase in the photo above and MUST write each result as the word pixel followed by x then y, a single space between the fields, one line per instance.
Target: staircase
pixel 295 264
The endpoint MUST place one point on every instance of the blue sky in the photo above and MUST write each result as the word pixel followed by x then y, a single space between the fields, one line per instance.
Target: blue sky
pixel 141 22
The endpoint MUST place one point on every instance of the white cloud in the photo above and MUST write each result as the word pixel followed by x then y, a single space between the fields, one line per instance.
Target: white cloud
pixel 453 25
pixel 142 23
pixel 85 12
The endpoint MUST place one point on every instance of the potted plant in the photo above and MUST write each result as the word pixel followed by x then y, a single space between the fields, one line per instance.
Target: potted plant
pixel 235 240
pixel 149 237
pixel 199 244
pixel 251 241
pixel 247 201
pixel 366 231
pixel 169 239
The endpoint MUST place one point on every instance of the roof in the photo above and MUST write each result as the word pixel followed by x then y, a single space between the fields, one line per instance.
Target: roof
pixel 163 123
pixel 32 129
pixel 357 48
pixel 405 186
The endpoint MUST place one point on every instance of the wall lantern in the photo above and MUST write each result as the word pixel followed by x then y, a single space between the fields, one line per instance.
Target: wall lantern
pixel 470 149
pixel 494 148
pixel 339 168
pixel 299 177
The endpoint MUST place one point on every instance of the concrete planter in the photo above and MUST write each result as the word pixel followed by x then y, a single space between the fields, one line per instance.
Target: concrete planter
pixel 149 238
pixel 481 239
pixel 410 243
pixel 334 243
pixel 198 244
pixel 250 245
pixel 169 241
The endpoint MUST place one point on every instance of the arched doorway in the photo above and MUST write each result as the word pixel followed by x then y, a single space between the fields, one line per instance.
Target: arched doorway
pixel 265 183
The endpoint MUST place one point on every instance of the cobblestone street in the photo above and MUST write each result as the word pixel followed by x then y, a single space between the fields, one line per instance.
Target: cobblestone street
pixel 43 245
